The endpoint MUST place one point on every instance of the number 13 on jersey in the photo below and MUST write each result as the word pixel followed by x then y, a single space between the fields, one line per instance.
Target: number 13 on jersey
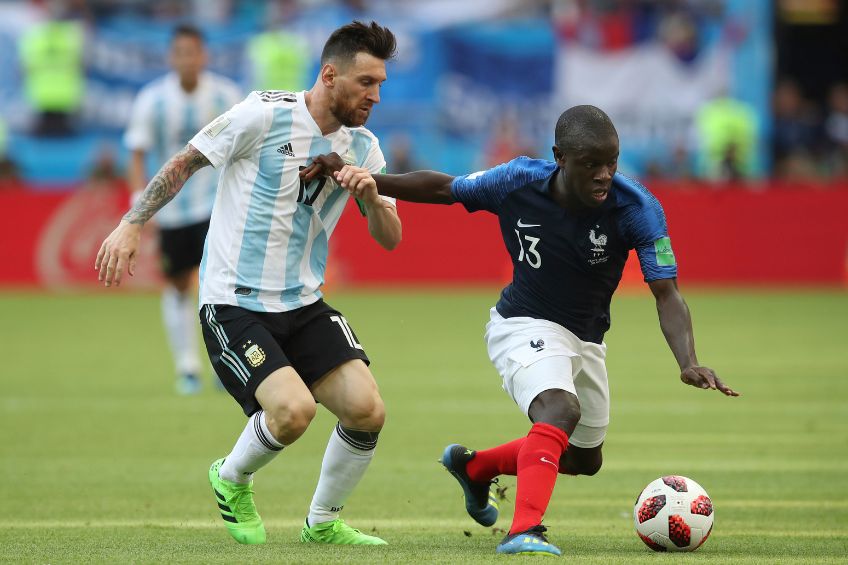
pixel 530 254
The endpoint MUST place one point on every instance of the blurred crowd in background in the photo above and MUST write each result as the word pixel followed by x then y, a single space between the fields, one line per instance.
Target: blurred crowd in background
pixel 719 90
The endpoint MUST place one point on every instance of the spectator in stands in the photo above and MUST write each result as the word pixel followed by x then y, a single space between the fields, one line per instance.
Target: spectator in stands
pixel 506 142
pixel 8 170
pixel 400 158
pixel 4 138
pixel 796 133
pixel 726 131
pixel 679 32
pixel 105 173
pixel 836 129
pixel 51 55
pixel 675 165
pixel 279 59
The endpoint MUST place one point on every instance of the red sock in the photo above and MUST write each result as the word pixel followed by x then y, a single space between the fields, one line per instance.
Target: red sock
pixel 538 465
pixel 500 460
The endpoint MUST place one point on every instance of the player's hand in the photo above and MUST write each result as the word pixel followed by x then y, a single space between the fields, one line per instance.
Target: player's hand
pixel 322 166
pixel 118 252
pixel 359 183
pixel 704 377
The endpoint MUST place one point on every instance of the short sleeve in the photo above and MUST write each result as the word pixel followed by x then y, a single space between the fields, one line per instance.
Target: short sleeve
pixel 485 190
pixel 139 133
pixel 646 228
pixel 375 162
pixel 657 259
pixel 234 134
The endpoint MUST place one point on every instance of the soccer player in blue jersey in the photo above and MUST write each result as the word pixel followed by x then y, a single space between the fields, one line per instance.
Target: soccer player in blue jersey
pixel 568 226
pixel 273 341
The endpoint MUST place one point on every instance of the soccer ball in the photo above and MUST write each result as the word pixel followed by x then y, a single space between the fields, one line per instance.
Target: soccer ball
pixel 673 513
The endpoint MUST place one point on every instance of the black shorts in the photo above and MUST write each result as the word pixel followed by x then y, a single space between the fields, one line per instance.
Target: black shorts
pixel 246 346
pixel 182 248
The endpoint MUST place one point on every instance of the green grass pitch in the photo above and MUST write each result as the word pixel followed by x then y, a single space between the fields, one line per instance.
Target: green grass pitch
pixel 102 463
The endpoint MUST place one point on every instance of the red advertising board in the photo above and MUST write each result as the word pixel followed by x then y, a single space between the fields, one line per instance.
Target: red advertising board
pixel 50 240
pixel 778 235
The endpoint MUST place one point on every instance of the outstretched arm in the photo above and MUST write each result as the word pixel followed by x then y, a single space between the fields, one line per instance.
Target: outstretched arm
pixel 418 186
pixel 118 250
pixel 430 187
pixel 676 324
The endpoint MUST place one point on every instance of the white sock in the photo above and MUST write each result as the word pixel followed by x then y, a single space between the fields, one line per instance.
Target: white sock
pixel 255 448
pixel 179 313
pixel 347 457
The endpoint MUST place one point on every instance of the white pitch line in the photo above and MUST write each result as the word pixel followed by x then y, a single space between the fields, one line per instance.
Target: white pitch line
pixel 449 526
pixel 364 524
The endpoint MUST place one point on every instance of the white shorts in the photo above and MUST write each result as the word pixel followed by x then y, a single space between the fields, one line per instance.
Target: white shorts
pixel 533 356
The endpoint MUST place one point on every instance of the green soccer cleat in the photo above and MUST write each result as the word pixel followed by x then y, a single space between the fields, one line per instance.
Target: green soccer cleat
pixel 235 502
pixel 337 532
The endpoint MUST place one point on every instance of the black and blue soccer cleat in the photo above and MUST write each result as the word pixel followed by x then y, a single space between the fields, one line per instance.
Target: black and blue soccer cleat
pixel 528 542
pixel 479 500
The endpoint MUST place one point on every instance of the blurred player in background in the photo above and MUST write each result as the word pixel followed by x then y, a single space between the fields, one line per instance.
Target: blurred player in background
pixel 275 344
pixel 165 116
pixel 568 226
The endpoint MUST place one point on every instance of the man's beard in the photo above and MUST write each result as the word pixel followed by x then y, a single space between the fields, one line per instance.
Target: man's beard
pixel 345 116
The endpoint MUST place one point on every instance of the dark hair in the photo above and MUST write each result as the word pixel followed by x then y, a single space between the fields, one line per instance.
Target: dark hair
pixel 356 37
pixel 579 124
pixel 187 31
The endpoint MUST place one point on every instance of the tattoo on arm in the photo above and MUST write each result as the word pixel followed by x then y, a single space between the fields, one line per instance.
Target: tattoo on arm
pixel 166 184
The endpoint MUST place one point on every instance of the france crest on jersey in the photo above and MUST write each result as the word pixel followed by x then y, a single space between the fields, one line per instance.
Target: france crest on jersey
pixel 267 245
pixel 567 265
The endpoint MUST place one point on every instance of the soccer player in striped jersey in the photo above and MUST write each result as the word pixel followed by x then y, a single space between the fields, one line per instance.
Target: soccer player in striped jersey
pixel 276 345
pixel 165 116
pixel 568 226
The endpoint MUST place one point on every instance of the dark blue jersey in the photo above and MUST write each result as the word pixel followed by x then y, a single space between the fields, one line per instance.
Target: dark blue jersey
pixel 567 265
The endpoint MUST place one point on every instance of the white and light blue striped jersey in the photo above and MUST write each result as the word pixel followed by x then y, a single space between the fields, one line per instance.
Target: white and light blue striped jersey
pixel 267 245
pixel 164 118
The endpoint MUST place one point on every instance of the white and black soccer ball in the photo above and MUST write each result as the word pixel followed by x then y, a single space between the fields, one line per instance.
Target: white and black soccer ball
pixel 673 513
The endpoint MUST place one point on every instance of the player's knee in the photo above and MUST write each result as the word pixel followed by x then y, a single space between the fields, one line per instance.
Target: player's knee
pixel 367 414
pixel 591 467
pixel 183 283
pixel 288 420
pixel 570 409
pixel 586 464
pixel 556 407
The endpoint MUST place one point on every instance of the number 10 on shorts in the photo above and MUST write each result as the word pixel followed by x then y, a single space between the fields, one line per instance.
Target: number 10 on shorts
pixel 348 333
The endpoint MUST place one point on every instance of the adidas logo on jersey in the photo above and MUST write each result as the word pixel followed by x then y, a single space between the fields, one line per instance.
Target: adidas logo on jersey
pixel 286 149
